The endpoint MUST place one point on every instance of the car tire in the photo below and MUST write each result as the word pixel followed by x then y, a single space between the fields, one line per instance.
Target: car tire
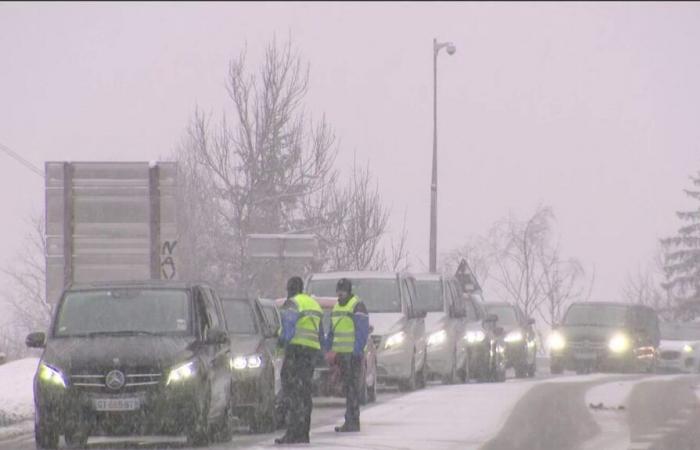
pixel 45 434
pixel 198 433
pixel 409 384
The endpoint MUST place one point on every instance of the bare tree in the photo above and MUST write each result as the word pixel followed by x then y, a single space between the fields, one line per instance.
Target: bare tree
pixel 517 250
pixel 254 170
pixel 645 286
pixel 562 282
pixel 27 280
pixel 478 254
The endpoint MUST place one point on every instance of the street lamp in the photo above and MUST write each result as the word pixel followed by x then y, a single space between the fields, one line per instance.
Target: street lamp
pixel 451 49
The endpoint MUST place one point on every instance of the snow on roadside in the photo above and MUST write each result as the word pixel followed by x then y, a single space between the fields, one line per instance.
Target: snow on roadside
pixel 16 393
pixel 608 404
pixel 460 416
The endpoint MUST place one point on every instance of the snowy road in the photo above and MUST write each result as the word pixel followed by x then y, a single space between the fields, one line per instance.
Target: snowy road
pixel 566 412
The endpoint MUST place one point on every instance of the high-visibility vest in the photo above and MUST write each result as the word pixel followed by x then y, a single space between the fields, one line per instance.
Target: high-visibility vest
pixel 308 323
pixel 344 326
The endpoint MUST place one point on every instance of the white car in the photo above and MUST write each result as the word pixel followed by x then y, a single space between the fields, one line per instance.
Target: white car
pixel 679 350
pixel 398 324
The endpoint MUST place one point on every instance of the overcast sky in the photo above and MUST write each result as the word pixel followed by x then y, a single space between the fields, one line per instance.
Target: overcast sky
pixel 590 108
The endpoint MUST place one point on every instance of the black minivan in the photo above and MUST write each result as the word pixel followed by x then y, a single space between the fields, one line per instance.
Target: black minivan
pixel 132 359
pixel 605 336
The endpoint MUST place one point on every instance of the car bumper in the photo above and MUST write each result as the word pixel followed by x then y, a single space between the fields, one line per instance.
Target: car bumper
pixel 599 359
pixel 680 364
pixel 393 365
pixel 163 410
pixel 247 395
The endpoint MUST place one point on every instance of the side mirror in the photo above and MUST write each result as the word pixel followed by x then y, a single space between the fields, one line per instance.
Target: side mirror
pixel 36 340
pixel 420 314
pixel 217 336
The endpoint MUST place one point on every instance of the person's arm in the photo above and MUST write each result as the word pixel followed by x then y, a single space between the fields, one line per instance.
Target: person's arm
pixel 289 315
pixel 361 319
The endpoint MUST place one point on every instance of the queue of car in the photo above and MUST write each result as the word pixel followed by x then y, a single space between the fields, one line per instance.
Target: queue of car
pixel 175 358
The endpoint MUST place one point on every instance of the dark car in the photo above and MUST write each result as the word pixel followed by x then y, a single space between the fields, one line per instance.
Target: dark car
pixel 253 347
pixel 605 336
pixel 134 359
pixel 483 341
pixel 519 337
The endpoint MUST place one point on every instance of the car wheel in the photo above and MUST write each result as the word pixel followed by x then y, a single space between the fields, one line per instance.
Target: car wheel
pixel 410 383
pixel 45 434
pixel 198 434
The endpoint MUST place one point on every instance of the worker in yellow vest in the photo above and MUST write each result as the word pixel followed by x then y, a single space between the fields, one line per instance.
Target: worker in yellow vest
pixel 348 338
pixel 301 337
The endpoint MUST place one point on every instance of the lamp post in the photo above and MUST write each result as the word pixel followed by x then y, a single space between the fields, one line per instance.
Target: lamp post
pixel 451 49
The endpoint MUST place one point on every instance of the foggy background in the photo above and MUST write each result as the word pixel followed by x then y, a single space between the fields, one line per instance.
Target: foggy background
pixel 591 109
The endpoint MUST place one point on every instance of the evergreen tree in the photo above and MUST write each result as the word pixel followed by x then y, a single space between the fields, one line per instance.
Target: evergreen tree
pixel 682 257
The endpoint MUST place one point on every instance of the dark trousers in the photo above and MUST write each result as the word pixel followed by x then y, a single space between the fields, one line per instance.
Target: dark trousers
pixel 297 372
pixel 351 371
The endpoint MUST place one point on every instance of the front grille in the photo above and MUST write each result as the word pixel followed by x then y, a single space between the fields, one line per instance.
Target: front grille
pixel 132 380
pixel 376 340
pixel 587 345
pixel 669 354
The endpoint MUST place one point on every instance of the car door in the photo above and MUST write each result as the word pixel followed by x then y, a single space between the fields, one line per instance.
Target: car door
pixel 273 321
pixel 220 356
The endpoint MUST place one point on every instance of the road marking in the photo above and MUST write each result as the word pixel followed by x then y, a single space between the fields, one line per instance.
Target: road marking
pixel 648 437
pixel 677 421
pixel 640 445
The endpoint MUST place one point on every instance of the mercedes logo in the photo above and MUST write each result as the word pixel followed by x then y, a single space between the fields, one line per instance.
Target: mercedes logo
pixel 115 380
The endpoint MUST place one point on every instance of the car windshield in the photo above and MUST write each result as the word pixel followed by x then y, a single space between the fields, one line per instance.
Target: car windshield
pixel 380 295
pixel 678 331
pixel 506 314
pixel 429 295
pixel 125 312
pixel 596 315
pixel 240 317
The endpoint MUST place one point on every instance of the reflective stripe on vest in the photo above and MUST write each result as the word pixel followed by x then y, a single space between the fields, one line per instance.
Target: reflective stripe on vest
pixel 309 322
pixel 344 326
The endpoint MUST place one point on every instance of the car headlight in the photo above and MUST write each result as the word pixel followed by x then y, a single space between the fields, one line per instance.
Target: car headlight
pixel 619 343
pixel 514 336
pixel 556 341
pixel 437 338
pixel 49 375
pixel 474 337
pixel 181 372
pixel 246 362
pixel 687 348
pixel 395 340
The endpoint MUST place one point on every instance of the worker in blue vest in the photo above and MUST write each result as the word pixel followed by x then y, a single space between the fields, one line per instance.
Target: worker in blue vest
pixel 348 338
pixel 301 337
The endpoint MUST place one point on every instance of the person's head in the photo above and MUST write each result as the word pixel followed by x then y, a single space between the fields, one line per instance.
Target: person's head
pixel 343 289
pixel 295 285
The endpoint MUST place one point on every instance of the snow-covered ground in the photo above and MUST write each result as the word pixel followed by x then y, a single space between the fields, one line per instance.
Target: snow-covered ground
pixel 441 417
pixel 16 395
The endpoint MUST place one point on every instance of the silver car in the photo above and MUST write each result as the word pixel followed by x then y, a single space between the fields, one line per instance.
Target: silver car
pixel 446 322
pixel 398 324
pixel 679 350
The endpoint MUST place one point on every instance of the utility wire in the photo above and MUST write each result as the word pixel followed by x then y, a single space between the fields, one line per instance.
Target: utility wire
pixel 22 161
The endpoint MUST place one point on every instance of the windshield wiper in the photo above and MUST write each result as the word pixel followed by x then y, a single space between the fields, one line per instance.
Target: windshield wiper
pixel 121 333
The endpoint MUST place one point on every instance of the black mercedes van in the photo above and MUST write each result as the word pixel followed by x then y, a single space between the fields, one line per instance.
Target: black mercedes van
pixel 134 359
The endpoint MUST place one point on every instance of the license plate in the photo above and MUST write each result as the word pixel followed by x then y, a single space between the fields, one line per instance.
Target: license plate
pixel 117 404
